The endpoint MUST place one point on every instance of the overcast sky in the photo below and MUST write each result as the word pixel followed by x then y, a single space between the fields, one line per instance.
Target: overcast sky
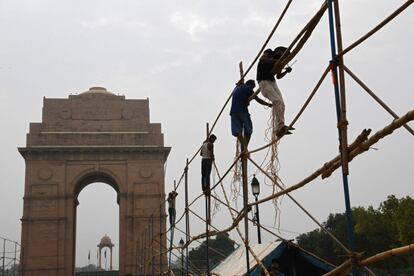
pixel 183 56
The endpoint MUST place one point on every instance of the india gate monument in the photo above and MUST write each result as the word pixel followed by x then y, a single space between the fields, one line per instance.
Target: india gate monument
pixel 95 136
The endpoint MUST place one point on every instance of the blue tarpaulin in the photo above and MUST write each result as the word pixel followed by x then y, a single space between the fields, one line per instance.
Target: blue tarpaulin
pixel 292 260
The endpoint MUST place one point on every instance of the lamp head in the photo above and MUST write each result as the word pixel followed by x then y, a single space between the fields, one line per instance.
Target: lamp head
pixel 181 243
pixel 255 186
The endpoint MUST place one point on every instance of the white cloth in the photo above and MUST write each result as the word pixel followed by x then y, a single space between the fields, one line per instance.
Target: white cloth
pixel 271 91
pixel 207 150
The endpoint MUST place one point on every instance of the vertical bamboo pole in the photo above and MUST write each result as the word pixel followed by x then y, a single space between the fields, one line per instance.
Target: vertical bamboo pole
pixel 245 189
pixel 171 236
pixel 21 260
pixel 187 218
pixel 340 60
pixel 245 203
pixel 207 217
pixel 14 260
pixel 4 252
pixel 341 116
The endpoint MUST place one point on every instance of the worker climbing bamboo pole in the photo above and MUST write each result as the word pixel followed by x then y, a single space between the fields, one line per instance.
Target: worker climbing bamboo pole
pixel 171 212
pixel 207 158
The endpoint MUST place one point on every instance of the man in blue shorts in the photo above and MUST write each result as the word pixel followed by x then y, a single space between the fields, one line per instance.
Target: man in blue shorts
pixel 241 124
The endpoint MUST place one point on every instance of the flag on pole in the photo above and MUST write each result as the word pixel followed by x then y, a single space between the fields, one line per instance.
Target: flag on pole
pixel 89 255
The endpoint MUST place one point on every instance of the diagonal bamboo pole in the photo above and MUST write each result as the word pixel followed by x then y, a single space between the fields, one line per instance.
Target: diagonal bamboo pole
pixel 377 28
pixel 302 37
pixel 376 98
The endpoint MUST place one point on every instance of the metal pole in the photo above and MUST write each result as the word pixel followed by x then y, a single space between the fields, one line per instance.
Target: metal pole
pixel 341 119
pixel 187 218
pixel 259 236
pixel 245 203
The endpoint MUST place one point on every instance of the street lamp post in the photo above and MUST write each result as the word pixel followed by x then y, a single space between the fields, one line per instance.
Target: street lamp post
pixel 256 191
pixel 181 244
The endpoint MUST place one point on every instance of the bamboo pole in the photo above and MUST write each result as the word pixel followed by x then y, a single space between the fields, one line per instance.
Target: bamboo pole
pixel 388 254
pixel 343 269
pixel 375 97
pixel 302 37
pixel 377 28
pixel 187 217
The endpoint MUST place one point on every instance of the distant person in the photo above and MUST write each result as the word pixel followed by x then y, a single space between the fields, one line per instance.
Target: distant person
pixel 274 269
pixel 171 206
pixel 241 123
pixel 207 158
pixel 269 88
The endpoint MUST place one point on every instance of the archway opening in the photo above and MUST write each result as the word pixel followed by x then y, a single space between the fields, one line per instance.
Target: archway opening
pixel 97 219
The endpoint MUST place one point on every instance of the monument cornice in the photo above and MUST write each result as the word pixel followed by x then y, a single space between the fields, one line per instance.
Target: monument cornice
pixel 24 151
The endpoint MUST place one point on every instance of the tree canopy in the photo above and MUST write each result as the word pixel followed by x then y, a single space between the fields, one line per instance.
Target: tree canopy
pixel 390 225
pixel 219 248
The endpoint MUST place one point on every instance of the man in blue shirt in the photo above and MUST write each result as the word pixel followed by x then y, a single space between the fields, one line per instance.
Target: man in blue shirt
pixel 241 124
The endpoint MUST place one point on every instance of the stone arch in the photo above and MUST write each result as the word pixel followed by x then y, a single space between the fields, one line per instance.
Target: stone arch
pixel 92 176
pixel 95 136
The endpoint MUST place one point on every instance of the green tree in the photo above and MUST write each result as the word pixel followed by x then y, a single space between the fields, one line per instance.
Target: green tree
pixel 376 230
pixel 220 247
